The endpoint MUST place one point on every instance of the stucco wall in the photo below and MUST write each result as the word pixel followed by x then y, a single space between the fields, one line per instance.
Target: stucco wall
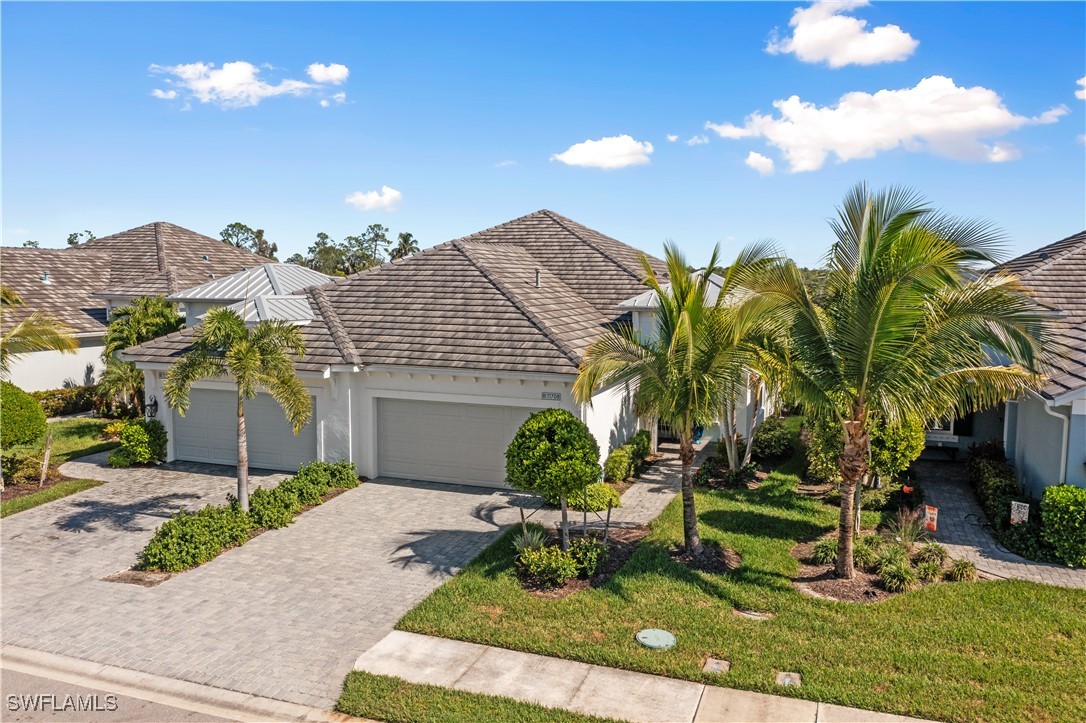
pixel 51 369
pixel 611 418
pixel 1038 447
pixel 1076 445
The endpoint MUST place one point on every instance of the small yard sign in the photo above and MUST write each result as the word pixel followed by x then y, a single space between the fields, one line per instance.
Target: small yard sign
pixel 1019 512
pixel 931 517
pixel 552 396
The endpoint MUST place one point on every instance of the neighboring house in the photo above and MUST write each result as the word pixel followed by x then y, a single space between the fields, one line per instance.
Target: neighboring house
pixel 424 367
pixel 1043 431
pixel 268 291
pixel 79 285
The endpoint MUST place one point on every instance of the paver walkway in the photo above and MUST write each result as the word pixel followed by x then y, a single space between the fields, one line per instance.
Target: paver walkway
pixel 589 689
pixel 285 615
pixel 962 529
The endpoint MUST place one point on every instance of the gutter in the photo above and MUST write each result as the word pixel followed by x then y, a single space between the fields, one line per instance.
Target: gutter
pixel 1066 422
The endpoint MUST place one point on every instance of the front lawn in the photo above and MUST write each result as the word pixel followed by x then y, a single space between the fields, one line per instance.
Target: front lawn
pixel 385 698
pixel 993 651
pixel 47 494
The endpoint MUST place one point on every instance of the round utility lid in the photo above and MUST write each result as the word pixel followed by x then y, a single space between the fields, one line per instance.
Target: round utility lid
pixel 656 639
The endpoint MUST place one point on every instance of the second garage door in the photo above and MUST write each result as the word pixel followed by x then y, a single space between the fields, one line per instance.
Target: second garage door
pixel 443 442
pixel 209 432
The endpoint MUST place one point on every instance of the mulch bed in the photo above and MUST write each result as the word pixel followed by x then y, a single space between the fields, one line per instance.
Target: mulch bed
pixel 29 487
pixel 713 559
pixel 621 545
pixel 820 581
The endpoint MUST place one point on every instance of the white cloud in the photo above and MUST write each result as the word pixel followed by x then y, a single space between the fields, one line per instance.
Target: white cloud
pixel 234 85
pixel 164 94
pixel 936 117
pixel 506 164
pixel 671 138
pixel 611 152
pixel 334 73
pixel 337 98
pixel 1080 93
pixel 387 199
pixel 698 140
pixel 760 163
pixel 821 33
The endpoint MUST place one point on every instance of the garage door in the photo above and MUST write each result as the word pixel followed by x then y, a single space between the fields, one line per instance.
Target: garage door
pixel 441 442
pixel 208 433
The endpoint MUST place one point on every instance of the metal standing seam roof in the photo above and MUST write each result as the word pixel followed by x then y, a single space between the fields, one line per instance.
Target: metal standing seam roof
pixel 291 308
pixel 272 279
pixel 651 300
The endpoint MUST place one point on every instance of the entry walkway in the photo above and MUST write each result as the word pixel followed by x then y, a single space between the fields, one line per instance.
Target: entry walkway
pixel 963 530
pixel 589 689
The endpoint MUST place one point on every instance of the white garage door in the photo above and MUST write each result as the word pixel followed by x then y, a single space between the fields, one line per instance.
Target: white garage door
pixel 442 442
pixel 209 432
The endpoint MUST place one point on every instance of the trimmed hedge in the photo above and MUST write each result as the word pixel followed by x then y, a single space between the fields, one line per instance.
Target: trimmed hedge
pixel 142 442
pixel 23 418
pixel 69 400
pixel 1063 512
pixel 772 441
pixel 619 465
pixel 274 508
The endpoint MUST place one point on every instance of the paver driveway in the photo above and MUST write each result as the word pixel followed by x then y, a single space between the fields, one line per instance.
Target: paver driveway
pixel 284 616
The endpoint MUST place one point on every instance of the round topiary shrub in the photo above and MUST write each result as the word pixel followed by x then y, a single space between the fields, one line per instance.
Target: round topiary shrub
pixel 619 465
pixel 23 418
pixel 771 441
pixel 597 495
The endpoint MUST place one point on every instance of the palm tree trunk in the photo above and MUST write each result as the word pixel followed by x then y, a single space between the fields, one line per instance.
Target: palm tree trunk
pixel 729 435
pixel 243 456
pixel 853 464
pixel 690 517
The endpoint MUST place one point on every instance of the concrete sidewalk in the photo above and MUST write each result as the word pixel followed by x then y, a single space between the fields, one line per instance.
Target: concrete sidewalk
pixel 590 689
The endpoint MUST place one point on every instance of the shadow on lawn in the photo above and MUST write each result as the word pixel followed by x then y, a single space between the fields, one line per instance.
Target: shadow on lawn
pixel 90 514
pixel 760 524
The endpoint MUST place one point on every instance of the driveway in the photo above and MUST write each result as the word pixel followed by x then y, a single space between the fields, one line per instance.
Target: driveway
pixel 284 616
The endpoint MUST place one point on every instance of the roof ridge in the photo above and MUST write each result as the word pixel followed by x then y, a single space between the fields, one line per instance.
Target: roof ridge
pixel 272 277
pixel 160 249
pixel 508 293
pixel 1051 256
pixel 562 221
pixel 342 339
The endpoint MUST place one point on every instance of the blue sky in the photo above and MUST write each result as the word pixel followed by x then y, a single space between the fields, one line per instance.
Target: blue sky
pixel 472 114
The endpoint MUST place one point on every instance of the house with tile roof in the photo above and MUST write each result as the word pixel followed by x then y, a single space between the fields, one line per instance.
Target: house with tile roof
pixel 79 285
pixel 423 368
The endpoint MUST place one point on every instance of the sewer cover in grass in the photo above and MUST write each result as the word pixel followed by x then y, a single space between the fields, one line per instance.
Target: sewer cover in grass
pixel 789 680
pixel 752 615
pixel 716 665
pixel 656 639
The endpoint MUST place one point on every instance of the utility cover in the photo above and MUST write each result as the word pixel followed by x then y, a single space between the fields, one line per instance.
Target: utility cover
pixel 656 639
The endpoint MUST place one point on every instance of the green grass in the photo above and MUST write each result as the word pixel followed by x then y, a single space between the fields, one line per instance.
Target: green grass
pixel 394 700
pixel 40 497
pixel 951 651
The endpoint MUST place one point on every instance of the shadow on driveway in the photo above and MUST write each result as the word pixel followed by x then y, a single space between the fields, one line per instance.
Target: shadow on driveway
pixel 90 514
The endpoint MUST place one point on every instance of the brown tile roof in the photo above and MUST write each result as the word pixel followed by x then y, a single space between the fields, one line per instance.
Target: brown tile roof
pixel 157 258
pixel 473 303
pixel 1056 274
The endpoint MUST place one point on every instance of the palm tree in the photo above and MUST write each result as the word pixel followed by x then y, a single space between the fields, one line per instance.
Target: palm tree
pixel 123 380
pixel 913 328
pixel 694 362
pixel 258 358
pixel 34 332
pixel 405 246
pixel 143 319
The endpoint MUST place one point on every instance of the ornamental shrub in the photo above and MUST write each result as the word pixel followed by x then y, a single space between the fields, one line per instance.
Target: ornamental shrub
pixel 894 447
pixel 191 539
pixel 899 576
pixel 641 446
pixel 890 555
pixel 274 508
pixel 317 474
pixel 532 537
pixel 587 554
pixel 598 495
pixel 962 571
pixel 1063 513
pixel 22 420
pixel 342 475
pixel 546 567
pixel 619 464
pixel 112 431
pixel 142 442
pixel 771 441
pixel 863 555
pixel 933 552
pixel 929 570
pixel 119 459
pixel 69 400
pixel 824 551
pixel 824 447
pixel 306 490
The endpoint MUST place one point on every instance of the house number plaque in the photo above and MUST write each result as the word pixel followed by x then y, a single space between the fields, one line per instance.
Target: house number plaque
pixel 552 396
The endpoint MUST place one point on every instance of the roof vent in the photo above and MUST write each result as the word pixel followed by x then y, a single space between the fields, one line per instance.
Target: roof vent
pixel 537 279
pixel 1043 256
pixel 45 277
pixel 206 258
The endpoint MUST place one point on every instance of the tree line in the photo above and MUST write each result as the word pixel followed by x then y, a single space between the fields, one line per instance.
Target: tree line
pixel 354 253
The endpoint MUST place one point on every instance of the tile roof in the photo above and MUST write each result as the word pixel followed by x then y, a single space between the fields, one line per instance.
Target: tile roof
pixel 269 279
pixel 157 258
pixel 473 303
pixel 1056 274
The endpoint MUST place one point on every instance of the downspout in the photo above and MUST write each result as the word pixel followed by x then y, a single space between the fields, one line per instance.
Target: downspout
pixel 1066 433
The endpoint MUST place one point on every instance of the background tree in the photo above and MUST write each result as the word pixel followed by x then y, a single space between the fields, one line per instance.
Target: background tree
pixel 77 237
pixel 297 259
pixel 257 358
pixel 553 454
pixel 30 244
pixel 365 250
pixel 143 319
pixel 406 244
pixel 244 237
pixel 911 331
pixel 34 332
pixel 326 256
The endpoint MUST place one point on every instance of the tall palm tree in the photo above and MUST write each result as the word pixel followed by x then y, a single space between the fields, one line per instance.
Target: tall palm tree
pixel 696 359
pixel 914 327
pixel 34 332
pixel 143 319
pixel 405 246
pixel 257 358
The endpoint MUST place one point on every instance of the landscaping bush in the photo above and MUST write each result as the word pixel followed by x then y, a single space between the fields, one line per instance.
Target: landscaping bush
pixel 306 490
pixel 824 447
pixel 772 441
pixel 862 555
pixel 929 570
pixel 873 540
pixel 899 576
pixel 894 447
pixel 619 464
pixel 112 431
pixel 996 487
pixel 119 459
pixel 641 444
pixel 531 538
pixel 342 475
pixel 932 552
pixel 907 528
pixel 889 556
pixel 962 571
pixel 188 540
pixel 70 400
pixel 142 442
pixel 1063 512
pixel 824 551
pixel 22 415
pixel 587 554
pixel 593 498
pixel 19 468
pixel 714 473
pixel 274 508
pixel 547 566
